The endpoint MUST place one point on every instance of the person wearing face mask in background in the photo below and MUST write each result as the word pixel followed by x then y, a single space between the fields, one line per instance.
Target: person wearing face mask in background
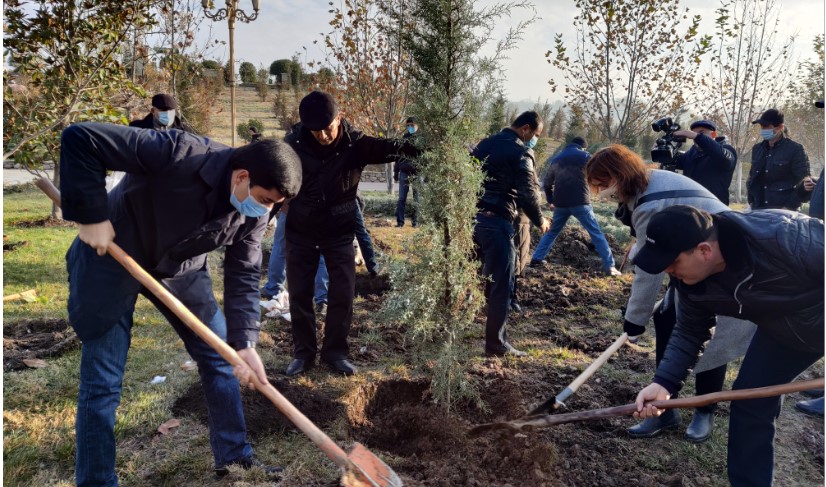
pixel 510 183
pixel 710 161
pixel 183 197
pixel 403 171
pixel 779 166
pixel 162 115
pixel 642 193
pixel 322 222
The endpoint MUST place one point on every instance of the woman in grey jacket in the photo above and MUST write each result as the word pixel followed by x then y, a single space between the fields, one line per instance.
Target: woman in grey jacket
pixel 618 172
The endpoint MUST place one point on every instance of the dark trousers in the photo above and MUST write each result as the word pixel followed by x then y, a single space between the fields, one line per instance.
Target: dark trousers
pixel 752 422
pixel 493 237
pixel 522 248
pixel 665 318
pixel 302 263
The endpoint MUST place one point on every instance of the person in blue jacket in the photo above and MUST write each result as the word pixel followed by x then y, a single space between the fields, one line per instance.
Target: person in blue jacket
pixel 183 196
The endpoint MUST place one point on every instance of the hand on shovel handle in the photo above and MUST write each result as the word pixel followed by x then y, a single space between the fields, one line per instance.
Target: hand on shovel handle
pixel 372 473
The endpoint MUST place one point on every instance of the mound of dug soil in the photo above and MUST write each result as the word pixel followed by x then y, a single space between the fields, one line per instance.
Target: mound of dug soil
pixel 36 339
pixel 262 417
pixel 431 447
pixel 573 248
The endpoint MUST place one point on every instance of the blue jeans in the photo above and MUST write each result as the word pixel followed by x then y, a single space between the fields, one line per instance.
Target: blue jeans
pixel 102 298
pixel 322 282
pixel 277 268
pixel 493 237
pixel 585 215
pixel 752 422
pixel 366 243
pixel 404 187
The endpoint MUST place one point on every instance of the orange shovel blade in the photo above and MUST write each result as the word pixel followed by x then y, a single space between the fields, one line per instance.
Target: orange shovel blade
pixel 367 470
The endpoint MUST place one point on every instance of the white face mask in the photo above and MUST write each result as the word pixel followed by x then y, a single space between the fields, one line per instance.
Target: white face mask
pixel 608 194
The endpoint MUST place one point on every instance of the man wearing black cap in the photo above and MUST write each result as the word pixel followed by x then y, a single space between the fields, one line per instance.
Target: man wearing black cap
pixel 710 161
pixel 403 171
pixel 763 266
pixel 778 166
pixel 322 222
pixel 162 115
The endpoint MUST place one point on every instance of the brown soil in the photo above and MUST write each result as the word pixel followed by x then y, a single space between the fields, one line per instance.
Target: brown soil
pixel 47 222
pixel 9 246
pixel 36 339
pixel 262 417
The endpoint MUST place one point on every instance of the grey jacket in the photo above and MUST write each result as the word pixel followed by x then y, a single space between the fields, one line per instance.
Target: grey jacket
pixel 646 287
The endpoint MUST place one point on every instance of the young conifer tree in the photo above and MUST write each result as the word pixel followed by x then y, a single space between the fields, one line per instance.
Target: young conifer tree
pixel 437 291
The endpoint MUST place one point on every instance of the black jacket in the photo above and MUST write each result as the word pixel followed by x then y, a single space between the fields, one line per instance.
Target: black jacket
pixel 775 174
pixel 564 182
pixel 170 210
pixel 710 163
pixel 510 179
pixel 148 122
pixel 323 213
pixel 406 164
pixel 773 278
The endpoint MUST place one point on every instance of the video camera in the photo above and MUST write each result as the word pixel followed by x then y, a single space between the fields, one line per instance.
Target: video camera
pixel 667 146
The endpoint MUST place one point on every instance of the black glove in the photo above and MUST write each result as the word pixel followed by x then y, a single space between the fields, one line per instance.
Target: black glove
pixel 634 331
pixel 396 179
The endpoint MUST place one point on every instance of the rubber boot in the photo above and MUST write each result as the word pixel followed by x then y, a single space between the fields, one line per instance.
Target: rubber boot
pixel 651 427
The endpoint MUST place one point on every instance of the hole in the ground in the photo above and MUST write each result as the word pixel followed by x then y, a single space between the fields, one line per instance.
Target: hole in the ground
pixel 36 339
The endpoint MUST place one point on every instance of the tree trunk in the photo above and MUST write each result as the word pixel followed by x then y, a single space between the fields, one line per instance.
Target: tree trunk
pixel 388 174
pixel 57 213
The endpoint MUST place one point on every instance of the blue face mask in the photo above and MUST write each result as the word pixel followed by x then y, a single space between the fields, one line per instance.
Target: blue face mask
pixel 532 143
pixel 166 118
pixel 411 129
pixel 767 134
pixel 249 207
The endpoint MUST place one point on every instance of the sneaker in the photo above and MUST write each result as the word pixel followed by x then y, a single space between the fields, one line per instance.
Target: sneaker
pixel 507 351
pixel 612 272
pixel 321 309
pixel 537 264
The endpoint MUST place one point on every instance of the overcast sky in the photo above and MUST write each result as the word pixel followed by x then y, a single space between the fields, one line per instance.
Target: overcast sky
pixel 284 26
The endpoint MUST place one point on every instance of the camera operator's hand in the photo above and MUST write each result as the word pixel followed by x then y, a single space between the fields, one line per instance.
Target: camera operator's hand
pixel 689 134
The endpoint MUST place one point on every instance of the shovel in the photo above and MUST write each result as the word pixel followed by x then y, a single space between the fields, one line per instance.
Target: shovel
pixel 554 403
pixel 360 467
pixel 531 422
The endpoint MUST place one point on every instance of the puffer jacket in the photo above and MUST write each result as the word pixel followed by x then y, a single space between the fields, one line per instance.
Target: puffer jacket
pixel 711 163
pixel 773 277
pixel 324 213
pixel 564 183
pixel 510 178
pixel 776 173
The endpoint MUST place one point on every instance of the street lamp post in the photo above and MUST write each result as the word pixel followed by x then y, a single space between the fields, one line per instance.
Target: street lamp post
pixel 231 13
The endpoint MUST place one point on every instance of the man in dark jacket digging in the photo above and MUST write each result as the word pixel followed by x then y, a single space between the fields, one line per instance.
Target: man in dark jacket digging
pixel 765 267
pixel 183 196
pixel 322 222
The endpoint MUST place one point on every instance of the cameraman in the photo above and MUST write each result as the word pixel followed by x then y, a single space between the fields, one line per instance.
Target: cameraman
pixel 710 161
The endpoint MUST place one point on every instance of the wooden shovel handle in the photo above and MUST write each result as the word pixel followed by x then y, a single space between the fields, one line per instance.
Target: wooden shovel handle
pixel 332 450
pixel 683 402
pixel 554 402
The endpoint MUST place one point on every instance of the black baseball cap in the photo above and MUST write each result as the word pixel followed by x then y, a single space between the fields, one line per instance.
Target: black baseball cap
pixel 704 123
pixel 579 141
pixel 670 233
pixel 164 102
pixel 411 120
pixel 772 116
pixel 317 110
pixel 819 104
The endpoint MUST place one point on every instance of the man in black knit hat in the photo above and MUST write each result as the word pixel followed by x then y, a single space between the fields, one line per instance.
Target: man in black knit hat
pixel 322 222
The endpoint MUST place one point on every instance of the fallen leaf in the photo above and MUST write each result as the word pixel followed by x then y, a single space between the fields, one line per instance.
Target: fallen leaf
pixel 34 363
pixel 167 427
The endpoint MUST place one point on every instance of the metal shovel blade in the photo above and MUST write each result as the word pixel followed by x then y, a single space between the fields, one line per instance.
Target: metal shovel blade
pixel 366 469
